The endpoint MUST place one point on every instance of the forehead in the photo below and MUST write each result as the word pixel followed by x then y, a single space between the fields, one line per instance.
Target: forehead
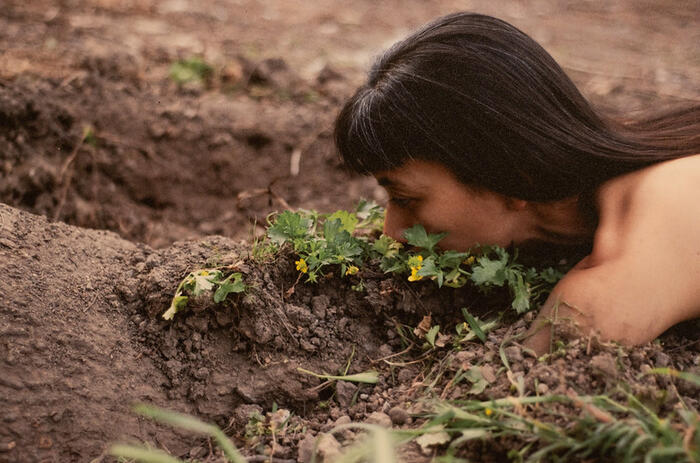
pixel 415 173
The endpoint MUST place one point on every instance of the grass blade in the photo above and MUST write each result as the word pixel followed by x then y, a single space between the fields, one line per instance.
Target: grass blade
pixel 142 454
pixel 192 424
pixel 369 377
pixel 693 378
pixel 474 325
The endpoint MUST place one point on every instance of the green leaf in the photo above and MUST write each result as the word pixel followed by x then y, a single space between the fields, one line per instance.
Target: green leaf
pixel 203 281
pixel 191 423
pixel 521 301
pixel 431 334
pixel 191 69
pixel 690 377
pixel 142 454
pixel 178 303
pixel 288 226
pixel 228 286
pixel 371 215
pixel 452 259
pixel 489 272
pixel 387 246
pixel 369 377
pixel 474 325
pixel 429 269
pixel 347 219
pixel 417 236
pixel 550 275
pixel 478 382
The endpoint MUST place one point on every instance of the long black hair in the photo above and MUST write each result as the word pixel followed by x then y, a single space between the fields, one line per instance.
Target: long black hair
pixel 486 101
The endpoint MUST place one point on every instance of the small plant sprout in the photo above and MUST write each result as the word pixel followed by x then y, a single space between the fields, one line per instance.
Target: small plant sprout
pixel 205 281
pixel 193 69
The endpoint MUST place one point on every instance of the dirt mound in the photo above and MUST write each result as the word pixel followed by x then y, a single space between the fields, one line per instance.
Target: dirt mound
pixel 92 341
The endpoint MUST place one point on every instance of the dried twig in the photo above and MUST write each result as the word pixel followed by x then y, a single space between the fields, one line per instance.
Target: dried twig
pixel 65 177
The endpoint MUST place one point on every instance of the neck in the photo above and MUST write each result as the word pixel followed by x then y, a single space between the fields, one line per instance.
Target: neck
pixel 568 221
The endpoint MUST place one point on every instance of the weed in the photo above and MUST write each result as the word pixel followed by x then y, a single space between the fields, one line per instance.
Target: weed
pixel 193 69
pixel 202 281
pixel 626 432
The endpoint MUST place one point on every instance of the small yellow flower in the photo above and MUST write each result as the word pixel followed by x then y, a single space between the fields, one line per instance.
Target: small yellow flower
pixel 352 270
pixel 488 412
pixel 469 260
pixel 301 266
pixel 415 261
pixel 204 273
pixel 414 274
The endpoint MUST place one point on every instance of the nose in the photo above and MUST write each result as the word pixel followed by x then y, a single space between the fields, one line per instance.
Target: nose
pixel 395 222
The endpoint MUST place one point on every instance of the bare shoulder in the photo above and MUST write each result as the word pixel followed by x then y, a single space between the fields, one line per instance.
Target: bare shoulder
pixel 647 246
pixel 653 208
pixel 679 178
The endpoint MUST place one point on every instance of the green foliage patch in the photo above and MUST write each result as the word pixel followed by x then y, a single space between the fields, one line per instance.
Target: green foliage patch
pixel 345 241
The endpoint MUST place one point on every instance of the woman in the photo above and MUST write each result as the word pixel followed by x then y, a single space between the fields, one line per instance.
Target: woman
pixel 474 130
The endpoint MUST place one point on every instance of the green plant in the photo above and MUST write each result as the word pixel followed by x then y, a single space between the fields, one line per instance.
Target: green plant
pixel 345 240
pixel 193 69
pixel 203 281
pixel 603 428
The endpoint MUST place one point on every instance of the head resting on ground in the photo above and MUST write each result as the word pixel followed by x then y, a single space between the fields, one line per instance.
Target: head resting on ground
pixel 483 99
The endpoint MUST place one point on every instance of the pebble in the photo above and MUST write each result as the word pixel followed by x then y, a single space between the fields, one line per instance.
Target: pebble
pixel 319 305
pixel 464 358
pixel 514 354
pixel 661 359
pixel 344 419
pixel 328 448
pixel 380 418
pixel 344 392
pixel 406 376
pixel 364 396
pixel 605 363
pixel 398 416
pixel 542 388
pixel 488 373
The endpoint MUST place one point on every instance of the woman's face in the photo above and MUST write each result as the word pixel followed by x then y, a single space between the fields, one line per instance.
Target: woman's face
pixel 426 193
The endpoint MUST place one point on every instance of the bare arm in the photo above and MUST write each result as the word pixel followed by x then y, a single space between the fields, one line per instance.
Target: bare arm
pixel 618 301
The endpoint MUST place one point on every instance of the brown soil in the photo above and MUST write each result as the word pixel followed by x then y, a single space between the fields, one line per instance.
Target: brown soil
pixel 81 337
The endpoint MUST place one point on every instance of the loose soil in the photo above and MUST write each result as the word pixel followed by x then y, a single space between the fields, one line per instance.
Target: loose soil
pixel 168 166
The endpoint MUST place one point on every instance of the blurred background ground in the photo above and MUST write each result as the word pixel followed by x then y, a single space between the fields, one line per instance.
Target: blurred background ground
pixel 163 161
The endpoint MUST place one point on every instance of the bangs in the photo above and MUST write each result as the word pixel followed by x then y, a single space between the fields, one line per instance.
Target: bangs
pixel 372 134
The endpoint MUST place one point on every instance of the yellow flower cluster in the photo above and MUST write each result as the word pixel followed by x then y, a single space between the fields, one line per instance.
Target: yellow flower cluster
pixel 415 263
pixel 352 270
pixel 469 260
pixel 301 266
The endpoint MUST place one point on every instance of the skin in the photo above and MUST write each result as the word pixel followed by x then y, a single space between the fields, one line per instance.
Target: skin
pixel 642 277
